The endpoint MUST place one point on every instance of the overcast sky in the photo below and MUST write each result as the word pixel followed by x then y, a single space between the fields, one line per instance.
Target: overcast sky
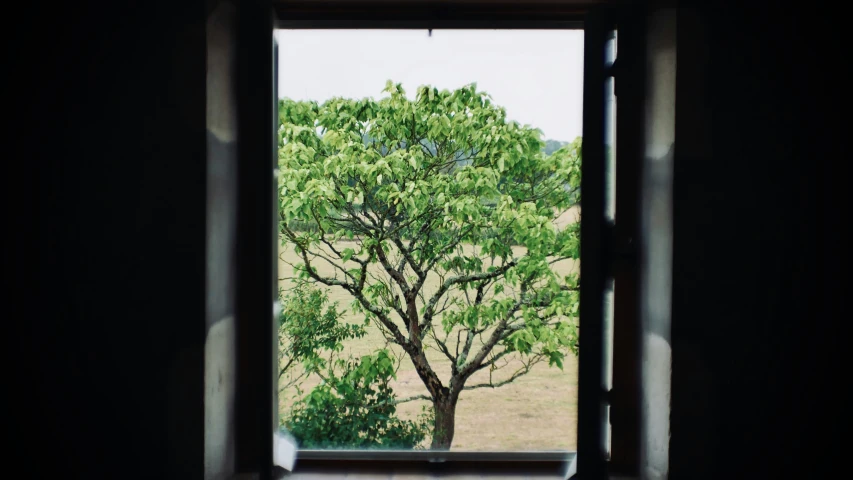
pixel 537 75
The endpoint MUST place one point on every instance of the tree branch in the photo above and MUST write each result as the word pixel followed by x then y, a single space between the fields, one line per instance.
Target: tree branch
pixel 429 311
pixel 357 293
pixel 450 246
pixel 443 347
pixel 524 370
pixel 497 334
pixel 411 261
pixel 396 275
pixel 412 398
pixel 493 360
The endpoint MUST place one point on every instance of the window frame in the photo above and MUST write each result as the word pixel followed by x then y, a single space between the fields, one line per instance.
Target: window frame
pixel 593 396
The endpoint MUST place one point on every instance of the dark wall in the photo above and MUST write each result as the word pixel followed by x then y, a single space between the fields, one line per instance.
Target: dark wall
pixel 104 234
pixel 104 221
pixel 761 245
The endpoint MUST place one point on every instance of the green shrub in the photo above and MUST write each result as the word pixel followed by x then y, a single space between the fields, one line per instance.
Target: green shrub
pixel 356 409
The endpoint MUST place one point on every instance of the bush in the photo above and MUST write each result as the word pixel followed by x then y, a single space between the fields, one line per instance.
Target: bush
pixel 310 331
pixel 356 409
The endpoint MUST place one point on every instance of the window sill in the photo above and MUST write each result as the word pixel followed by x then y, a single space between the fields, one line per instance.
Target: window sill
pixel 549 464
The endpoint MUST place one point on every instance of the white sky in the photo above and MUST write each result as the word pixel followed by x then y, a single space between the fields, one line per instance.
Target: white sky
pixel 537 75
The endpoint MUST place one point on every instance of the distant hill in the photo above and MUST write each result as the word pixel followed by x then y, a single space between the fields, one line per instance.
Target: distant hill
pixel 552 146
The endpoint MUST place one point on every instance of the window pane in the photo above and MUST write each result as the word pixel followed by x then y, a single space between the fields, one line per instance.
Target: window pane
pixel 429 199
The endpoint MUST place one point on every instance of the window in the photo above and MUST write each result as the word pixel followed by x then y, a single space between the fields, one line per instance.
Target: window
pixel 465 169
pixel 592 358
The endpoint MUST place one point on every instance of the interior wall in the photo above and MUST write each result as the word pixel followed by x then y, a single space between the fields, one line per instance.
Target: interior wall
pixel 656 242
pixel 220 345
pixel 760 247
pixel 124 270
pixel 105 214
pixel 105 218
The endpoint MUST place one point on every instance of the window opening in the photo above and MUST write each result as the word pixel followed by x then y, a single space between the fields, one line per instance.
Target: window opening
pixel 429 205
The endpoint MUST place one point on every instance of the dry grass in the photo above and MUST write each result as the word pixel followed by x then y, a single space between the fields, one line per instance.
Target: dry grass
pixel 536 412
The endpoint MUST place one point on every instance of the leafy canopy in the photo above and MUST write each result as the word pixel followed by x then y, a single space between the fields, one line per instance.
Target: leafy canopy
pixel 437 215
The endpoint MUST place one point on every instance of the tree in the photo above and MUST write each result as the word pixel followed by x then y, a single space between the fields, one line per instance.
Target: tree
pixel 417 205
pixel 310 332
pixel 355 405
pixel 356 409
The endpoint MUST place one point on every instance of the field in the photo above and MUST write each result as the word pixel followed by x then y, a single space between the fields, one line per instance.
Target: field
pixel 536 412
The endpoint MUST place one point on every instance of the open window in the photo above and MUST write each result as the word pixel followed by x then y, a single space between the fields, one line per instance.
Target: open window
pixel 430 238
pixel 365 208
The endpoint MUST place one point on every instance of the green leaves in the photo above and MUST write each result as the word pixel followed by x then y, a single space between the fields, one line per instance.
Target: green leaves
pixel 355 406
pixel 309 327
pixel 556 358
pixel 356 409
pixel 437 201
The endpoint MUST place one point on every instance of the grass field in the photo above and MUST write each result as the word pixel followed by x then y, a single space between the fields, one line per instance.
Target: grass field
pixel 536 412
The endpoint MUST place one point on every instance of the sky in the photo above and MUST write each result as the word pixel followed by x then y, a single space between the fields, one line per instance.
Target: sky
pixel 537 75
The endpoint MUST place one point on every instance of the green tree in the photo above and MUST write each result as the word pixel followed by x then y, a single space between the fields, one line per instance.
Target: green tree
pixel 356 409
pixel 430 195
pixel 355 405
pixel 310 332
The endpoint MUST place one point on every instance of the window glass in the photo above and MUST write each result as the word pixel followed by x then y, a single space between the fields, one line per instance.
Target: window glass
pixel 429 214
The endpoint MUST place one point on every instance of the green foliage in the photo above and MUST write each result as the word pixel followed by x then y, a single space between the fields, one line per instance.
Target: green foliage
pixel 441 188
pixel 356 409
pixel 310 329
pixel 355 406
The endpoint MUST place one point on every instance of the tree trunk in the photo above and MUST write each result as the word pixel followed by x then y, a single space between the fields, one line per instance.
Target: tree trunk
pixel 445 423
